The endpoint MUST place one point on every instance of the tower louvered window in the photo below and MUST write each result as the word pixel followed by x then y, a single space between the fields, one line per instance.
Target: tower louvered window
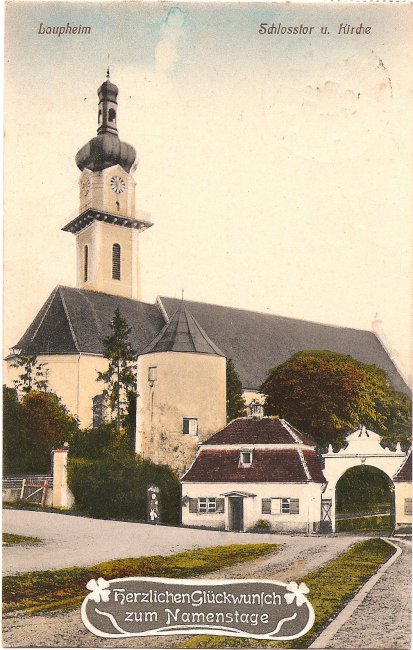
pixel 115 262
pixel 86 263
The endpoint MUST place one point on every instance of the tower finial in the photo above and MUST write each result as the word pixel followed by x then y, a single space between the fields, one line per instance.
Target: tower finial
pixel 107 71
pixel 182 297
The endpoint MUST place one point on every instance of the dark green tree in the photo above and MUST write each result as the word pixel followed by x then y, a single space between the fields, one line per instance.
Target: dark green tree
pixel 120 377
pixel 101 463
pixel 363 489
pixel 15 433
pixel 33 377
pixel 327 394
pixel 235 400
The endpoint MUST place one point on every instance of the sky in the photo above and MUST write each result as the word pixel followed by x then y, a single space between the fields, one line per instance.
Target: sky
pixel 276 168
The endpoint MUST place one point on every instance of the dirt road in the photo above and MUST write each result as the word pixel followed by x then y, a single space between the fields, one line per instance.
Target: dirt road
pixel 74 540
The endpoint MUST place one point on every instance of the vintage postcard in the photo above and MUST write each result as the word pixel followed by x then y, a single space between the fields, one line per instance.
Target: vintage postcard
pixel 207 324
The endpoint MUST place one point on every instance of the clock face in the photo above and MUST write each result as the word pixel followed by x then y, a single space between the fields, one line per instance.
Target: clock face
pixel 117 184
pixel 85 186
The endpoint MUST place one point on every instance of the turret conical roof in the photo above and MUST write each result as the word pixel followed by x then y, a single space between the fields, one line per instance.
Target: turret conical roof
pixel 183 334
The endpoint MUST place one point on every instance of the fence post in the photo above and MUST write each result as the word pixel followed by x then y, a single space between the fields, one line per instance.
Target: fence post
pixel 44 495
pixel 22 490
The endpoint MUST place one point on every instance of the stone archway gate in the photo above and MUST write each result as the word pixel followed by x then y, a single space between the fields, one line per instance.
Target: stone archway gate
pixel 363 448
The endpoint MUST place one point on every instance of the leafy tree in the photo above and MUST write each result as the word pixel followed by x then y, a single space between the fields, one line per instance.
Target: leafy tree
pixel 120 377
pixel 235 400
pixel 32 428
pixel 34 375
pixel 326 394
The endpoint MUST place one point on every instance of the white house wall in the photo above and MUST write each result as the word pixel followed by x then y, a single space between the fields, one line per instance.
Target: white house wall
pixel 309 495
pixel 402 492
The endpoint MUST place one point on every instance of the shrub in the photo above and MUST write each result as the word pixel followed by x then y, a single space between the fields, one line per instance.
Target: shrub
pixel 115 486
pixel 261 526
pixel 364 524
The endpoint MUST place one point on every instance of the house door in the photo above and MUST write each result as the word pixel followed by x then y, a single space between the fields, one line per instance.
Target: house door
pixel 236 513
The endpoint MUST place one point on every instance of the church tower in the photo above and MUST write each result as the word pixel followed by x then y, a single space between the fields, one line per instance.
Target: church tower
pixel 108 226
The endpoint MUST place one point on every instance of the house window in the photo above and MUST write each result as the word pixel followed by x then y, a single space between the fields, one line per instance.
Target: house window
pixel 98 407
pixel 86 263
pixel 290 506
pixel 115 262
pixel 190 426
pixel 407 506
pixel 205 505
pixel 152 374
pixel 283 506
pixel 245 458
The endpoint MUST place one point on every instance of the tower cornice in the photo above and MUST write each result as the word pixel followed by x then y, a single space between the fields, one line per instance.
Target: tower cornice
pixel 88 216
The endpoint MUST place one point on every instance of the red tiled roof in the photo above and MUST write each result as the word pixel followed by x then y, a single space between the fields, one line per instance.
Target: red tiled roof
pixel 268 466
pixel 251 431
pixel 405 471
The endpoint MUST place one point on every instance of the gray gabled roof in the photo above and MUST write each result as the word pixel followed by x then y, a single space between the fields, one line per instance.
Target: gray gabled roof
pixel 76 320
pixel 183 334
pixel 257 341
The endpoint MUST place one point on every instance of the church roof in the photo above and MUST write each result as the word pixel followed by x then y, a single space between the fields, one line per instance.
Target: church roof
pixel 76 320
pixel 258 341
pixel 183 334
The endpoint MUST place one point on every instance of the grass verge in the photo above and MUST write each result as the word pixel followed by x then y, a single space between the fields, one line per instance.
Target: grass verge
pixel 64 589
pixel 9 539
pixel 331 587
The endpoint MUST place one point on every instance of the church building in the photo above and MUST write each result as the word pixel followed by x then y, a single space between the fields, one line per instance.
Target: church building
pixel 182 348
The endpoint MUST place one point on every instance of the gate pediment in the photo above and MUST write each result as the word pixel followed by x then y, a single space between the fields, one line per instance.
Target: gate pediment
pixel 363 447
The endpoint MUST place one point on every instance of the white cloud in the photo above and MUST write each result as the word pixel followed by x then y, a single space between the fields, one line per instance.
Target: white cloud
pixel 167 49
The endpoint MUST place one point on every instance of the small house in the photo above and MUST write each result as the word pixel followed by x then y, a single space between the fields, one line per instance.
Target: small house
pixel 254 474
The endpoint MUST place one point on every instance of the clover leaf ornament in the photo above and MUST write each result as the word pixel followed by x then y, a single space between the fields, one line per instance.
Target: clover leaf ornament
pixel 297 593
pixel 99 589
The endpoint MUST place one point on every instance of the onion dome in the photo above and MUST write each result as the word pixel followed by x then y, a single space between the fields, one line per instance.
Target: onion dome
pixel 106 149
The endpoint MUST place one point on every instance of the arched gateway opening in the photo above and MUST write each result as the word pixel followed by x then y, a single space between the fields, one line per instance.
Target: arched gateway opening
pixel 362 452
pixel 364 500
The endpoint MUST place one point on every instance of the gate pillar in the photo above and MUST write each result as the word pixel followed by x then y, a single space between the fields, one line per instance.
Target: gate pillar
pixel 62 496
